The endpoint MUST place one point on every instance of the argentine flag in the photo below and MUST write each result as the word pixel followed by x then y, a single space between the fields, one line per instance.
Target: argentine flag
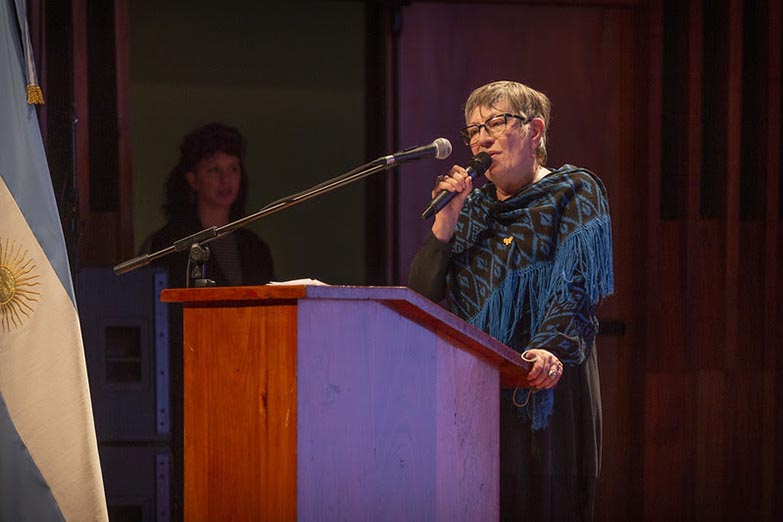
pixel 49 467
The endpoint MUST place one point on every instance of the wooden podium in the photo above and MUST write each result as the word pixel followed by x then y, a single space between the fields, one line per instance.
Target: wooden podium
pixel 338 403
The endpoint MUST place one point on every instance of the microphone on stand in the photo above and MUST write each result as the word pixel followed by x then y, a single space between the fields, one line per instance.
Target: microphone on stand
pixel 438 149
pixel 477 166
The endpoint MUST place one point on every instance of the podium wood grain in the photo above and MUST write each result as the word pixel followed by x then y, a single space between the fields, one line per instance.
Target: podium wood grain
pixel 338 403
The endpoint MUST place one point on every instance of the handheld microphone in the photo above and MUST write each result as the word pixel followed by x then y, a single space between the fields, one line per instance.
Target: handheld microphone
pixel 439 149
pixel 477 166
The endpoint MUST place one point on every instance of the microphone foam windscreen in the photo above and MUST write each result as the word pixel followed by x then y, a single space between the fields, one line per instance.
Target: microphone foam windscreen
pixel 443 148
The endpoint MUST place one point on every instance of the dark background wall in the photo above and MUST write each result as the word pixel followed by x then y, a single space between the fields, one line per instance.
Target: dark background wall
pixel 290 76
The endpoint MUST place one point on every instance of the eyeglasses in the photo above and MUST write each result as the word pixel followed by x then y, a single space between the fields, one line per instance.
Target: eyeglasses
pixel 495 126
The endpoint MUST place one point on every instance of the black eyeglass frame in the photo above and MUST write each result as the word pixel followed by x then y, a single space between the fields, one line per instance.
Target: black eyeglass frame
pixel 463 132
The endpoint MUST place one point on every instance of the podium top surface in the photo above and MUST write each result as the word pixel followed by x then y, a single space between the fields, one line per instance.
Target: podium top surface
pixel 513 369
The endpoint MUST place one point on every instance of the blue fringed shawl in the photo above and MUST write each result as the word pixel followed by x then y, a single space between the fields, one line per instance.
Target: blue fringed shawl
pixel 531 270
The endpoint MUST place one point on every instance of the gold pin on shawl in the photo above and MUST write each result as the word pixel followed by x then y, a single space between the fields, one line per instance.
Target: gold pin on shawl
pixel 34 93
pixel 508 240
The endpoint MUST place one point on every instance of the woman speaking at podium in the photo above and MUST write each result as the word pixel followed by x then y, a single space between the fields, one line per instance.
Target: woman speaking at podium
pixel 527 258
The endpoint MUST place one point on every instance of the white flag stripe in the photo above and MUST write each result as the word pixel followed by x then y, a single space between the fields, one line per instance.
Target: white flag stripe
pixel 44 382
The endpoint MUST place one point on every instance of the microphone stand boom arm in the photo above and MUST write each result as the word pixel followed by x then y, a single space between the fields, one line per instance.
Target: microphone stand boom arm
pixel 212 233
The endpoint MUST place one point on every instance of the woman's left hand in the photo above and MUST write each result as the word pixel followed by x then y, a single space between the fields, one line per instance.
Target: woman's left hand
pixel 546 370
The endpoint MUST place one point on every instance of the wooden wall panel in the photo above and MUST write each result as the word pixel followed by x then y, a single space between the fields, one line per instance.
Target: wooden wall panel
pixel 733 166
pixel 104 196
pixel 705 341
pixel 709 445
pixel 81 142
pixel 729 253
pixel 773 375
pixel 744 426
pixel 773 270
pixel 124 240
pixel 668 431
pixel 653 336
pixel 751 299
pixel 667 319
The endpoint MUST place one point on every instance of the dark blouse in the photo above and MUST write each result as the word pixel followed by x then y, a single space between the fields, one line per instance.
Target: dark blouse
pixel 250 264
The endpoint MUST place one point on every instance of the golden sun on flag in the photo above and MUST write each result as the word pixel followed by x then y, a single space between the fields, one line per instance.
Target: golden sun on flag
pixel 17 286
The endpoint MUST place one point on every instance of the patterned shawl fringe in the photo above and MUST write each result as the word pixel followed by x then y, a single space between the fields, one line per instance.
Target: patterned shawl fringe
pixel 588 251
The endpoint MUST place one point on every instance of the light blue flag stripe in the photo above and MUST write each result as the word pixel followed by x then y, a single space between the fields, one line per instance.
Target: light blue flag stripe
pixel 24 494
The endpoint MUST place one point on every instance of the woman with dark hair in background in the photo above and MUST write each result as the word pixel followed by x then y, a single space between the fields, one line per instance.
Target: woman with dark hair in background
pixel 207 188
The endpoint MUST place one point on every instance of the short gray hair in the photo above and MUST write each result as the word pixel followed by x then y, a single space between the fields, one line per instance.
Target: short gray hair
pixel 525 101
